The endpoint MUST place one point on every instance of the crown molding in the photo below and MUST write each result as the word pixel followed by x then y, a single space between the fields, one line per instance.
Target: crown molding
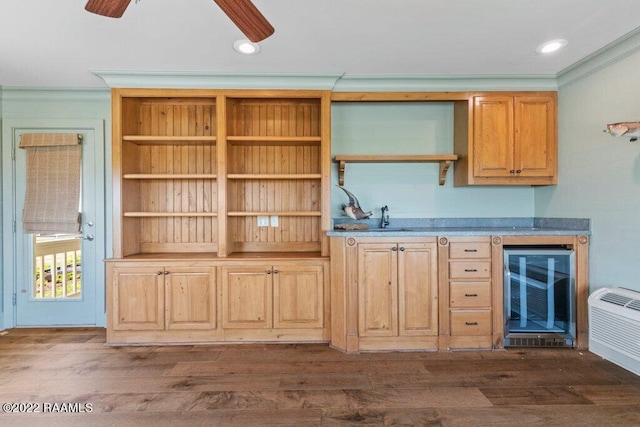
pixel 600 59
pixel 204 80
pixel 444 83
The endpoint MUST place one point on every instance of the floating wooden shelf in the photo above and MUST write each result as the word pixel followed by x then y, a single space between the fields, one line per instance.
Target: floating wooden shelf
pixel 444 160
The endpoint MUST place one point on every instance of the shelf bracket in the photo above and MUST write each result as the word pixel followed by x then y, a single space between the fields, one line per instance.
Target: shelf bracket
pixel 444 168
pixel 341 167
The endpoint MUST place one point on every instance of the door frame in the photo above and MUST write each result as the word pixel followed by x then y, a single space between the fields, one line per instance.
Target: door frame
pixel 9 218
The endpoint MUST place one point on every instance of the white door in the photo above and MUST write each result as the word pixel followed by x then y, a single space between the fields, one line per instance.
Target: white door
pixel 58 280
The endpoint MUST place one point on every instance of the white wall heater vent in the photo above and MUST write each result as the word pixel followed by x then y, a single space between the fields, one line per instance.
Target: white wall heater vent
pixel 614 326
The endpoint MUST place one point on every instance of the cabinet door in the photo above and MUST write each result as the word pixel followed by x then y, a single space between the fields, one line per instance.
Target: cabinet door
pixel 138 299
pixel 493 136
pixel 247 297
pixel 418 288
pixel 535 136
pixel 190 298
pixel 298 296
pixel 377 289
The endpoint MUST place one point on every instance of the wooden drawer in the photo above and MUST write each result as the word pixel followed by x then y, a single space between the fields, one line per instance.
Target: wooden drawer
pixel 470 294
pixel 470 269
pixel 461 250
pixel 470 322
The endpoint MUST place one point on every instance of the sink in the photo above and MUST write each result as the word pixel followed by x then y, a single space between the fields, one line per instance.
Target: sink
pixel 377 230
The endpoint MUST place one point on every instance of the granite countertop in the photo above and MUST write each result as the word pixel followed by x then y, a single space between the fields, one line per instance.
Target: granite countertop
pixel 467 227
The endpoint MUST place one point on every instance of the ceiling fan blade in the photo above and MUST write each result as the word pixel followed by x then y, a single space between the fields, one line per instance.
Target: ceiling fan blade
pixel 247 18
pixel 109 8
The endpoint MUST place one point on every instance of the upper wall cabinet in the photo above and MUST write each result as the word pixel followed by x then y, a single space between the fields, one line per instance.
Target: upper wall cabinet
pixel 507 139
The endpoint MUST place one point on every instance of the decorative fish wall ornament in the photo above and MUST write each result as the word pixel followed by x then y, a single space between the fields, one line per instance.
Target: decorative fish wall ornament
pixel 631 129
pixel 353 209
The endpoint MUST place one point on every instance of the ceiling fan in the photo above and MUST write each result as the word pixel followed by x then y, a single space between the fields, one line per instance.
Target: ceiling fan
pixel 243 13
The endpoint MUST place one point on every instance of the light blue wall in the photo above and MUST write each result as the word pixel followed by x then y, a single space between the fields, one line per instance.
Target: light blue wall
pixel 599 175
pixel 410 190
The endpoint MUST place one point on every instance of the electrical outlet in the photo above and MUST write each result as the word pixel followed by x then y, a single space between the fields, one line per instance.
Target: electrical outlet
pixel 274 220
pixel 263 221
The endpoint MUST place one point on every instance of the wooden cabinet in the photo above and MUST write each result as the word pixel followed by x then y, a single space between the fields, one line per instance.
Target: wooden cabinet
pixel 160 298
pixel 394 294
pixel 190 298
pixel 273 296
pixel 138 299
pixel 194 172
pixel 512 140
pixel 465 292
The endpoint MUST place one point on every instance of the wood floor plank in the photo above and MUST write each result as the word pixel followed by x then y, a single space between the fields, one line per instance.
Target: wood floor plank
pixel 307 385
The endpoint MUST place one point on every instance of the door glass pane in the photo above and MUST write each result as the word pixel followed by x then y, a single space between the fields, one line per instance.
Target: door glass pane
pixel 57 267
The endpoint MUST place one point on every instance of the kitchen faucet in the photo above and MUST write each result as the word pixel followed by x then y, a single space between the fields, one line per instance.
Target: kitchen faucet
pixel 384 220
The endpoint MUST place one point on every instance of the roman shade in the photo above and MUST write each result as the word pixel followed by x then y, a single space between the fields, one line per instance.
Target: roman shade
pixel 52 196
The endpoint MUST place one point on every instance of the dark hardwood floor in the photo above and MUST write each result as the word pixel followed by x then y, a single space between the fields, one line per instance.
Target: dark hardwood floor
pixel 303 385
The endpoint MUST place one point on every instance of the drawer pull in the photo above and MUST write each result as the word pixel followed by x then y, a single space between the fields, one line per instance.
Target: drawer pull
pixel 471 250
pixel 470 295
pixel 471 323
pixel 471 270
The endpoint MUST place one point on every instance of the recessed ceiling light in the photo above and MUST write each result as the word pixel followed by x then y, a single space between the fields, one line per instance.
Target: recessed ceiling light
pixel 246 47
pixel 551 46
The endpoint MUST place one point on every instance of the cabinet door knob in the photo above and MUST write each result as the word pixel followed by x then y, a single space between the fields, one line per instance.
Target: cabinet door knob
pixel 275 272
pixel 159 273
pixel 394 249
pixel 269 271
pixel 402 248
pixel 518 171
pixel 166 272
pixel 512 171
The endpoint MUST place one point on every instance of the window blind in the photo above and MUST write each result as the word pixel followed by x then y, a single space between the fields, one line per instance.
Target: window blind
pixel 52 196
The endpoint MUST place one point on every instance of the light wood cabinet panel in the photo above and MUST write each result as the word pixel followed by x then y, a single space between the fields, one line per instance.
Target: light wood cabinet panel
pixel 190 298
pixel 378 289
pixel 138 299
pixel 298 297
pixel 470 294
pixel 397 285
pixel 512 139
pixel 418 287
pixel 247 297
pixel 493 136
pixel 470 322
pixel 471 269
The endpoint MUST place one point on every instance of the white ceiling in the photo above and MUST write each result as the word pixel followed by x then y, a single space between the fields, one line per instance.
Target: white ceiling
pixel 57 43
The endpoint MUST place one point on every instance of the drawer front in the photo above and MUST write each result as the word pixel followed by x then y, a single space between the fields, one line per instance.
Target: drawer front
pixel 460 250
pixel 469 269
pixel 470 294
pixel 470 322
